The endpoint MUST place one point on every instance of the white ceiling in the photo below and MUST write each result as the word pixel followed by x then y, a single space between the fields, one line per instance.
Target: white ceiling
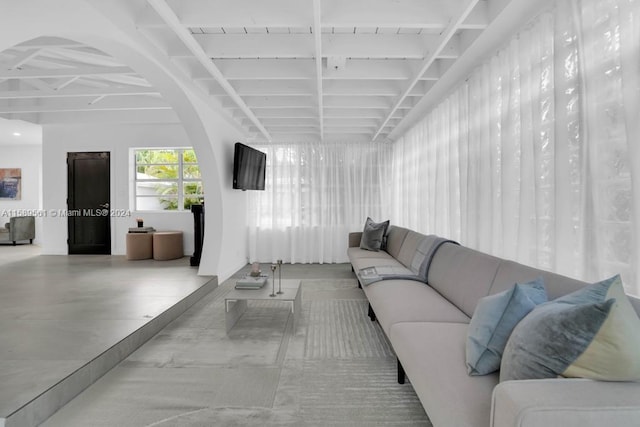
pixel 284 69
pixel 19 132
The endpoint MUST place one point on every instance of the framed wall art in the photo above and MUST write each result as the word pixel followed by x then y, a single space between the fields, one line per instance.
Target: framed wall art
pixel 10 179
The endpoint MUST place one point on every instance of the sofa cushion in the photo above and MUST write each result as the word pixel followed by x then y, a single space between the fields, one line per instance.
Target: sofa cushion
pixel 591 333
pixel 424 254
pixel 493 321
pixel 360 263
pixel 565 402
pixel 409 248
pixel 373 234
pixel 387 272
pixel 395 238
pixel 357 253
pixel 462 275
pixel 397 301
pixel 433 356
pixel 417 270
pixel 510 272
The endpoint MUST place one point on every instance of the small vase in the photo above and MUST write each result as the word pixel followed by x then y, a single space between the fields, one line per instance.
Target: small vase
pixel 140 223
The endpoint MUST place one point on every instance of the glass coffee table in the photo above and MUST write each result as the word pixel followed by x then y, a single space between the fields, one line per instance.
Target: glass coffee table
pixel 235 303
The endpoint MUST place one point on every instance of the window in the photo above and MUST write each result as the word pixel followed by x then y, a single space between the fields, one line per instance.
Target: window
pixel 166 179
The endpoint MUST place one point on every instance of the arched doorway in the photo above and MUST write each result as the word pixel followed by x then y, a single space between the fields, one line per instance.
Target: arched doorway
pixel 75 30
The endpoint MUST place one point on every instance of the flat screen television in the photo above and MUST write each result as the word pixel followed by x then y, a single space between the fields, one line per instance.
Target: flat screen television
pixel 249 167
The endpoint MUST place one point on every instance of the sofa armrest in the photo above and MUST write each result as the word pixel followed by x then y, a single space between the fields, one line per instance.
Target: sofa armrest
pixel 22 228
pixel 354 239
pixel 565 402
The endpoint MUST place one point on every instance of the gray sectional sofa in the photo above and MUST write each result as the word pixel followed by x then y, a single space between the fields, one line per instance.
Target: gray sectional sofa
pixel 427 325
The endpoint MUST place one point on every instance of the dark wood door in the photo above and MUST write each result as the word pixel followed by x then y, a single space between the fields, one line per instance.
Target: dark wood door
pixel 88 203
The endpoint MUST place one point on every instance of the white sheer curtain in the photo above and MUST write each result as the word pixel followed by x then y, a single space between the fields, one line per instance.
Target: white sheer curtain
pixel 315 195
pixel 535 157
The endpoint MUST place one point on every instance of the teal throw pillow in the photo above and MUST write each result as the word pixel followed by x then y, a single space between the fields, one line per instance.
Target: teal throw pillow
pixel 493 321
pixel 591 333
pixel 373 235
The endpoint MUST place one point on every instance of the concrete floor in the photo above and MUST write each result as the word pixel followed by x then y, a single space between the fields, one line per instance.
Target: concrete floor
pixel 334 369
pixel 66 321
pixel 72 318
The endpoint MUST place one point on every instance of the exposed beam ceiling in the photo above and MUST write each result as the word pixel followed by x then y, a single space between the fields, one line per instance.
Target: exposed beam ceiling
pixel 347 70
pixel 317 53
pixel 443 40
pixel 172 21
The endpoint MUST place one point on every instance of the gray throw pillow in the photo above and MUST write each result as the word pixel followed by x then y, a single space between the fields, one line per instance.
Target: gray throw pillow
pixel 591 333
pixel 373 234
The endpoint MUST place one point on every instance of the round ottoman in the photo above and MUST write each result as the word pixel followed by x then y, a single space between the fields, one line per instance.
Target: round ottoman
pixel 167 245
pixel 139 246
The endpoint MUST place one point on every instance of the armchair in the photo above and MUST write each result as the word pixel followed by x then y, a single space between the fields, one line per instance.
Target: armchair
pixel 19 228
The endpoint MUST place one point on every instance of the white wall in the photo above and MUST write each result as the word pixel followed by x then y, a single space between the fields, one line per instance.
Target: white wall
pixel 233 230
pixel 58 140
pixel 29 159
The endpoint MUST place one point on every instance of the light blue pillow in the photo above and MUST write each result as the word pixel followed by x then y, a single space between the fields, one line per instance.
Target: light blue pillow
pixel 591 333
pixel 494 319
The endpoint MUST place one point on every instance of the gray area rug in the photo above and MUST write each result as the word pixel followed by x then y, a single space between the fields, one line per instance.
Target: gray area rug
pixel 336 369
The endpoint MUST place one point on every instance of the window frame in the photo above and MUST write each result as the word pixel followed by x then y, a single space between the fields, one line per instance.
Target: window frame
pixel 179 182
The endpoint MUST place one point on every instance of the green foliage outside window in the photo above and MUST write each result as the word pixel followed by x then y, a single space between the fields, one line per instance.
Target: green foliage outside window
pixel 175 176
